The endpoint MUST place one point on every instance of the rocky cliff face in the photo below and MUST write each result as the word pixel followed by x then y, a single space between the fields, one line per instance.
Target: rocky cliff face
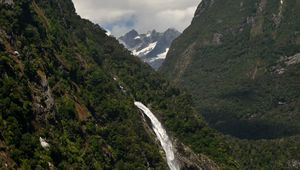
pixel 235 59
pixel 152 47
pixel 239 60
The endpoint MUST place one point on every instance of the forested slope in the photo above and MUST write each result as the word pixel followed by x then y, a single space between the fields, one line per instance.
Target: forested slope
pixel 66 83
pixel 240 60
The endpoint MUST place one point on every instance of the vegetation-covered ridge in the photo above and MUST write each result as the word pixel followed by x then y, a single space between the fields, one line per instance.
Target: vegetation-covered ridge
pixel 60 82
pixel 240 61
pixel 60 86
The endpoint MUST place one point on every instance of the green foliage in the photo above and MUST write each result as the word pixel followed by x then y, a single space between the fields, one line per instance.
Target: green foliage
pixel 59 89
pixel 62 88
pixel 65 108
pixel 235 82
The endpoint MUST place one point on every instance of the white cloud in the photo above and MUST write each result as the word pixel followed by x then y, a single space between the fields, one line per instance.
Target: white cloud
pixel 119 30
pixel 143 15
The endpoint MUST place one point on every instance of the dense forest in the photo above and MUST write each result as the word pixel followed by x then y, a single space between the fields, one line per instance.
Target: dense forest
pixel 60 82
pixel 240 61
pixel 65 82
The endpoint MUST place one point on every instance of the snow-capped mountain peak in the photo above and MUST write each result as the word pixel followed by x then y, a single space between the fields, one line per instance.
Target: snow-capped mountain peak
pixel 145 51
pixel 151 47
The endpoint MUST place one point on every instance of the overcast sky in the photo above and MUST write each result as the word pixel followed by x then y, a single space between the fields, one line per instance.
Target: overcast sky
pixel 120 16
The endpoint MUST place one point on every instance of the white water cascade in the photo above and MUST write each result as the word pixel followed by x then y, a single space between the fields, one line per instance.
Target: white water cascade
pixel 162 136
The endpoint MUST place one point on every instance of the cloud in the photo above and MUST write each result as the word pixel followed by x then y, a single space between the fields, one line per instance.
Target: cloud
pixel 120 16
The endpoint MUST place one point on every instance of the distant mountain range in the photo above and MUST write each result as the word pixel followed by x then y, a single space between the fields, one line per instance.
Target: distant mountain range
pixel 151 47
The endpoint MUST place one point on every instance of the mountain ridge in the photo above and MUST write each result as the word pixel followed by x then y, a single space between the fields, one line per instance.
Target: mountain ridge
pixel 67 93
pixel 233 59
pixel 250 43
pixel 151 47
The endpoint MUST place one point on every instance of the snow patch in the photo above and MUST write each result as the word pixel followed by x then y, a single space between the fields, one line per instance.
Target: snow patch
pixel 108 33
pixel 137 37
pixel 161 56
pixel 145 50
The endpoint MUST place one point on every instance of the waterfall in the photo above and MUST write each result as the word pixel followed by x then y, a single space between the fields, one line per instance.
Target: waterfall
pixel 162 136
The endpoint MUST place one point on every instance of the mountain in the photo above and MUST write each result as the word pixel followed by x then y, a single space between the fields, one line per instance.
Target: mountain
pixel 70 98
pixel 152 47
pixel 240 60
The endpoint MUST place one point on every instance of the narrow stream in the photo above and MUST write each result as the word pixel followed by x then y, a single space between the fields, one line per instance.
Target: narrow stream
pixel 161 135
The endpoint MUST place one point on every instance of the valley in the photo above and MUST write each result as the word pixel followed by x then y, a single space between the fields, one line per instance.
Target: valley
pixel 223 94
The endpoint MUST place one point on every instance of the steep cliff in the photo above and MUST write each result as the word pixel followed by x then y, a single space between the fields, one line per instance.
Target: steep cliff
pixel 240 60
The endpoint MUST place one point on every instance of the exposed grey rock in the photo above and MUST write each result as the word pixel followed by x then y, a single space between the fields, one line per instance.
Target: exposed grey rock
pixel 8 2
pixel 217 39
pixel 43 101
pixel 16 53
pixel 250 20
pixel 129 39
pixel 276 19
pixel 284 62
pixel 294 164
pixel 241 4
pixel 151 47
pixel 190 160
pixel 262 6
pixel 295 59
pixel 280 71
